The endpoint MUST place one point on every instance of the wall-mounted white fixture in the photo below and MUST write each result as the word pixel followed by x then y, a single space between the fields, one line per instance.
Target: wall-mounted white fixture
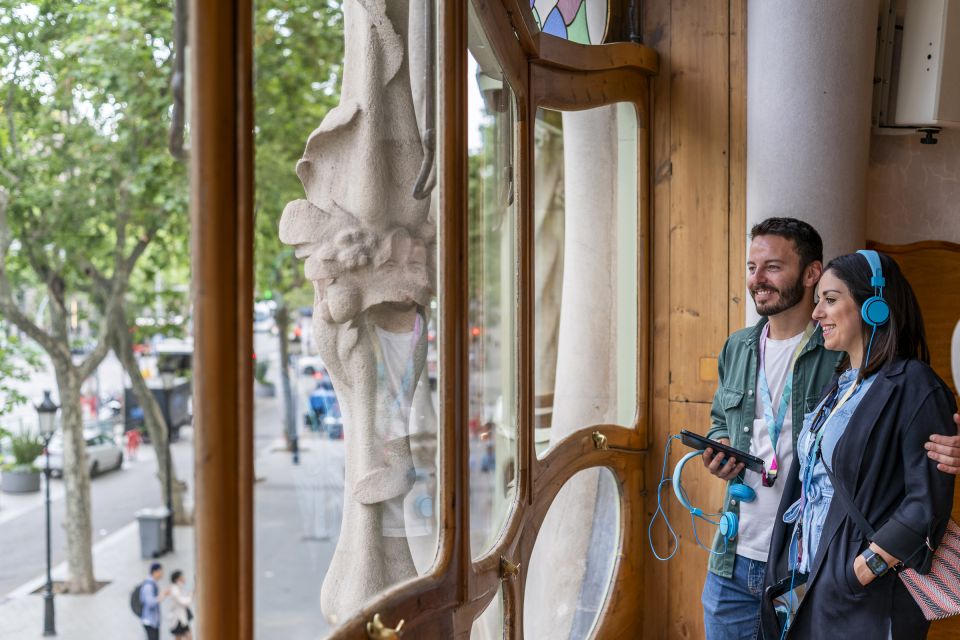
pixel 928 92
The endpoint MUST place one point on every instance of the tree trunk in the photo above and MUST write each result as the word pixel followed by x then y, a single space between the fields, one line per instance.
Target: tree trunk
pixel 153 420
pixel 76 481
pixel 282 318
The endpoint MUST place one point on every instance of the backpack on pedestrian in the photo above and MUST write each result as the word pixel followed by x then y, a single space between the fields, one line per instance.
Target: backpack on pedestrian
pixel 136 604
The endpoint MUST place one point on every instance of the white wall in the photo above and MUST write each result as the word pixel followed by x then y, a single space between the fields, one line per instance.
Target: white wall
pixel 913 189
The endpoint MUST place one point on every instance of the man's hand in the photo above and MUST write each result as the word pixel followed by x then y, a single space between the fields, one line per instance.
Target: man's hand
pixel 731 468
pixel 946 450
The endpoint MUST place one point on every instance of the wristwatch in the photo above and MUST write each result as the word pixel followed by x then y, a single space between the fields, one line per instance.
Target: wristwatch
pixel 875 562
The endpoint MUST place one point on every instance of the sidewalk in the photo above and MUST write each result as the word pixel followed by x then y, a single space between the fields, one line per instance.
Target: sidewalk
pixel 105 614
pixel 297 522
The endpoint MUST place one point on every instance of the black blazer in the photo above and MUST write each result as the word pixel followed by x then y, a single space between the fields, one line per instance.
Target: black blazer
pixel 881 462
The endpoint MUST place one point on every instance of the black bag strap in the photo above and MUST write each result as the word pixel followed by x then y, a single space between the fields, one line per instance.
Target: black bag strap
pixel 858 519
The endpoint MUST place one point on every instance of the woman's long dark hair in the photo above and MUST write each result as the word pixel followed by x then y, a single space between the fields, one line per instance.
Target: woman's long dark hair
pixel 903 335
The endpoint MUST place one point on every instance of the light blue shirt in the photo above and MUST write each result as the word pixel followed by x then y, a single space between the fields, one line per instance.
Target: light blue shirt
pixel 819 493
pixel 150 614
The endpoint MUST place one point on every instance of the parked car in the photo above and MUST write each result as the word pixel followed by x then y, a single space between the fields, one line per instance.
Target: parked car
pixel 103 453
pixel 311 365
pixel 263 321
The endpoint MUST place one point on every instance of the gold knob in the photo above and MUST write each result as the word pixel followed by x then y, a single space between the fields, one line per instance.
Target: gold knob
pixel 376 630
pixel 508 569
pixel 599 441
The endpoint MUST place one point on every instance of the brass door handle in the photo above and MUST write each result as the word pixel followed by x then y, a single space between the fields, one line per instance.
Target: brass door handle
pixel 376 630
pixel 508 569
pixel 599 441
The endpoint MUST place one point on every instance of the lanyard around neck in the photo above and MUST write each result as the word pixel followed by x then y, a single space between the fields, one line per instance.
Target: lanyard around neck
pixel 775 421
pixel 817 431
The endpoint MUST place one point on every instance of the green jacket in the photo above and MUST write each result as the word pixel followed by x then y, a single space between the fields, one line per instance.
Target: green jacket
pixel 734 405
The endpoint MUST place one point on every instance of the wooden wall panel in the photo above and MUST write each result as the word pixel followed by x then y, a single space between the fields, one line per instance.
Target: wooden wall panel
pixel 656 21
pixel 699 192
pixel 737 245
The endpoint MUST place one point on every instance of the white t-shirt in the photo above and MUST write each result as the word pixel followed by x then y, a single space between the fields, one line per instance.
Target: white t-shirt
pixel 758 517
pixel 397 349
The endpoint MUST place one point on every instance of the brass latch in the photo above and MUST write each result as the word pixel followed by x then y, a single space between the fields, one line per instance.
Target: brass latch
pixel 508 569
pixel 376 630
pixel 599 441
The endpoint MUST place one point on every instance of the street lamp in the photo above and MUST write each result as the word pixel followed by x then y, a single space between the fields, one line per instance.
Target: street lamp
pixel 46 414
pixel 168 376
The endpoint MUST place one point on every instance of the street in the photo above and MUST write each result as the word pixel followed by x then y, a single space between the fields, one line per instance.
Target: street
pixel 115 498
pixel 298 509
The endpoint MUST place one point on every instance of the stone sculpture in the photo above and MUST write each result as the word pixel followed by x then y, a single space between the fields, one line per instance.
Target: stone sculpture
pixel 369 251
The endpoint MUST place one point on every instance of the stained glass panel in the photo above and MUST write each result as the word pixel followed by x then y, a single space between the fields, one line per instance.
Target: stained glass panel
pixel 583 21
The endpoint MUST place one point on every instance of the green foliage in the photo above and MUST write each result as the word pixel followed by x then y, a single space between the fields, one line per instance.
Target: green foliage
pixel 83 151
pixel 260 371
pixel 17 361
pixel 298 55
pixel 25 448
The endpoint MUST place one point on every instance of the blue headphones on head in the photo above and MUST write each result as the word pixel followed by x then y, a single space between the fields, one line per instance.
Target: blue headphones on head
pixel 875 310
pixel 728 524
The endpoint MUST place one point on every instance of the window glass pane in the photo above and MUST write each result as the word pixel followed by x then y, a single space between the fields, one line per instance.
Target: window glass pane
pixel 572 565
pixel 489 626
pixel 585 251
pixel 492 293
pixel 346 327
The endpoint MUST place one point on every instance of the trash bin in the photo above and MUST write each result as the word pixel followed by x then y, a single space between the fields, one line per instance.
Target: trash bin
pixel 153 532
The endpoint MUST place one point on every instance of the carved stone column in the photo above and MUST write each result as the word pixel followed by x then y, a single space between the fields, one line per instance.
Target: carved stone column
pixel 369 250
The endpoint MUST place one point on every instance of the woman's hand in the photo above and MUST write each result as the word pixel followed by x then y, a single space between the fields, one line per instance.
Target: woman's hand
pixel 862 571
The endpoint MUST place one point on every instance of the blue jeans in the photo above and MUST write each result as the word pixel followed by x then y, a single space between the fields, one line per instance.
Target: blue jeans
pixel 731 606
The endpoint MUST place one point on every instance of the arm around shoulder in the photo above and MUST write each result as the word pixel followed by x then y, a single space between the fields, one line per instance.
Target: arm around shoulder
pixel 922 516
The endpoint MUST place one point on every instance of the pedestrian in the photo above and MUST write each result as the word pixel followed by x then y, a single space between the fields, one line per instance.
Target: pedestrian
pixel 768 374
pixel 182 615
pixel 133 443
pixel 150 598
pixel 861 454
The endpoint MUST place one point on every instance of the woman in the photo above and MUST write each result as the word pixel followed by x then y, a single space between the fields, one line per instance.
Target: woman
pixel 870 428
pixel 181 606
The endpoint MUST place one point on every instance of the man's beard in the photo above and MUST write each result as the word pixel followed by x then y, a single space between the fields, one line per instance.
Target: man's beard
pixel 785 299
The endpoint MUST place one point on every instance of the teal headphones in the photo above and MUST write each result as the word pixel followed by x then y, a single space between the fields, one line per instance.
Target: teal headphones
pixel 728 523
pixel 875 310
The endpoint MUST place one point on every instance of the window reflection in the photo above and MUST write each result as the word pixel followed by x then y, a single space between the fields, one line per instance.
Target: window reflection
pixel 492 294
pixel 573 559
pixel 585 254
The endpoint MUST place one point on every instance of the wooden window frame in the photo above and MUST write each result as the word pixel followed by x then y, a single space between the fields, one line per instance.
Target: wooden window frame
pixel 543 71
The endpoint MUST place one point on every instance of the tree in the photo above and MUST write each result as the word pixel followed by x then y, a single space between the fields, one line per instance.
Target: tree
pixel 86 183
pixel 298 54
pixel 17 360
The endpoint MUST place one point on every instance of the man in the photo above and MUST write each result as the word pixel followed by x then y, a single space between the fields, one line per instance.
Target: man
pixel 150 598
pixel 771 374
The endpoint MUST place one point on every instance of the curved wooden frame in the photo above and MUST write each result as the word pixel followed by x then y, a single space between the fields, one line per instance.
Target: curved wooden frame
pixel 543 71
